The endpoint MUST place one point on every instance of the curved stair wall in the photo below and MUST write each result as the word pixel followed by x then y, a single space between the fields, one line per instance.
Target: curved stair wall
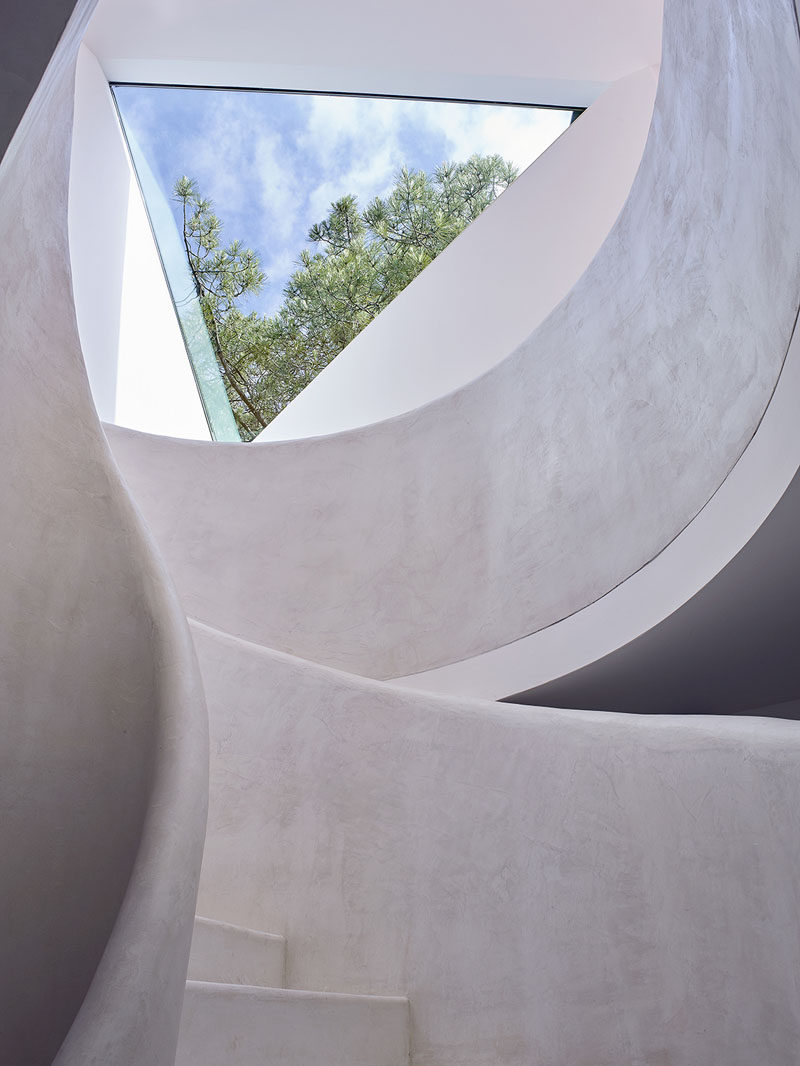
pixel 104 737
pixel 562 887
pixel 710 625
pixel 237 1010
pixel 494 284
pixel 519 499
pixel 574 888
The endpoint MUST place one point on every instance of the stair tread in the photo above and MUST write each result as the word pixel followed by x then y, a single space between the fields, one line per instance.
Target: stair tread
pixel 230 926
pixel 266 993
pixel 232 954
pixel 242 1025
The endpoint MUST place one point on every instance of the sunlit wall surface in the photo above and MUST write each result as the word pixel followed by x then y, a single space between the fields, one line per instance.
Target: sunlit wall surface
pixel 273 164
pixel 204 365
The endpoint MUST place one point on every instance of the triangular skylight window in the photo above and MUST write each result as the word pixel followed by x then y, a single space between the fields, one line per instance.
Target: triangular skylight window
pixel 287 221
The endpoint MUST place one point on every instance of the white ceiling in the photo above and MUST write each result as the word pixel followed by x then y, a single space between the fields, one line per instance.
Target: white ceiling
pixel 540 51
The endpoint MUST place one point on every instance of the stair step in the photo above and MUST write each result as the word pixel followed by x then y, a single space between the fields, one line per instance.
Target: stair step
pixel 232 955
pixel 233 1025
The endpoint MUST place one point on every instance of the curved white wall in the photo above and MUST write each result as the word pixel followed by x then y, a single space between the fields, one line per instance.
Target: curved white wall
pixel 696 562
pixel 103 745
pixel 530 493
pixel 562 887
pixel 540 52
pixel 132 345
pixel 495 283
pixel 576 889
pixel 559 887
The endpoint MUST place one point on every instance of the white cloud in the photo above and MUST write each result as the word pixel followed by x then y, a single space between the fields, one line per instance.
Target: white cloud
pixel 369 174
pixel 356 147
pixel 139 108
pixel 278 268
pixel 218 151
pixel 277 188
pixel 272 178
pixel 516 133
pixel 359 145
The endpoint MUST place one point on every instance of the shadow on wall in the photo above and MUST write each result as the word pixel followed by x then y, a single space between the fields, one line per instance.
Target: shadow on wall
pixel 732 649
pixel 103 749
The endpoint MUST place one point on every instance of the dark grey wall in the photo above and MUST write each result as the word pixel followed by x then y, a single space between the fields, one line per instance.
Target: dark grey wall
pixel 102 765
pixel 733 649
pixel 29 33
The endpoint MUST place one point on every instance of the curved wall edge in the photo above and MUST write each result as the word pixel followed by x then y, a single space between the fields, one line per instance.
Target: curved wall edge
pixel 497 281
pixel 700 552
pixel 104 753
pixel 132 1010
pixel 494 512
pixel 532 53
pixel 138 369
pixel 562 885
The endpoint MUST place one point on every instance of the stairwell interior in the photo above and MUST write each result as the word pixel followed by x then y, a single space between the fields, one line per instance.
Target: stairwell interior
pixel 267 795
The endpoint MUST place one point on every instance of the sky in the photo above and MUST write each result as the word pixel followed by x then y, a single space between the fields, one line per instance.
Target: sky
pixel 274 162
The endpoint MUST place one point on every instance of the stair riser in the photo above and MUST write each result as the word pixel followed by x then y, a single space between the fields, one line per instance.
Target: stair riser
pixel 226 1026
pixel 227 954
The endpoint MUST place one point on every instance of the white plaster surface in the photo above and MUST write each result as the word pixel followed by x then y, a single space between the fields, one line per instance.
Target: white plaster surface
pixel 695 560
pixel 100 181
pixel 241 1026
pixel 495 283
pixel 104 741
pixel 519 499
pixel 540 52
pixel 156 389
pixel 560 887
pixel 135 357
pixel 231 955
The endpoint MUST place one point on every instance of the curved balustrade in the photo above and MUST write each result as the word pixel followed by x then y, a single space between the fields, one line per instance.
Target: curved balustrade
pixel 104 737
pixel 506 272
pixel 564 887
pixel 523 497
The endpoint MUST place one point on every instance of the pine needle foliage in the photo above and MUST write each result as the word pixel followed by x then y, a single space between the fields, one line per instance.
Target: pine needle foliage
pixel 359 261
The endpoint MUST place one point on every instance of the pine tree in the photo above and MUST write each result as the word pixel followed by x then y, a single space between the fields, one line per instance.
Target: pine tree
pixel 360 261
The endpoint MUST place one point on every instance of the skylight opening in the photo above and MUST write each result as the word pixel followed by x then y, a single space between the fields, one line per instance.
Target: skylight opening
pixel 286 221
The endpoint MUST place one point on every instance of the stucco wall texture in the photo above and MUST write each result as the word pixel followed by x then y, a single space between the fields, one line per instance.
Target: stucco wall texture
pixel 103 748
pixel 560 887
pixel 564 887
pixel 522 497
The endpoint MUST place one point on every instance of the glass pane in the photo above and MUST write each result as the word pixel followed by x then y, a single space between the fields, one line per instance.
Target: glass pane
pixel 168 238
pixel 343 200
